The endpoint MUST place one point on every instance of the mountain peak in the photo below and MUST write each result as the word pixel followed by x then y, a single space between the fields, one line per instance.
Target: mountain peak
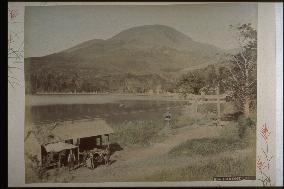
pixel 152 34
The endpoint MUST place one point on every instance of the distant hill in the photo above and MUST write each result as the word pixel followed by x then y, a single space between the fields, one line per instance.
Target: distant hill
pixel 136 55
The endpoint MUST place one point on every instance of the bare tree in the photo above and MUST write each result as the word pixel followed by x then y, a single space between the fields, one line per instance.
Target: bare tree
pixel 242 73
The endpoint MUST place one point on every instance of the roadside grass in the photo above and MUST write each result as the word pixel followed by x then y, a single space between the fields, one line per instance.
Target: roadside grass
pixel 207 146
pixel 142 133
pixel 196 119
pixel 137 133
pixel 228 140
pixel 239 165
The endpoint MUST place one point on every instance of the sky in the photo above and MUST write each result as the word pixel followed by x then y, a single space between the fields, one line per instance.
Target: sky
pixel 51 29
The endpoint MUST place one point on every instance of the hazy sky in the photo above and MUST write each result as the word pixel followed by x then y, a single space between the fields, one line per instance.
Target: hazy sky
pixel 52 29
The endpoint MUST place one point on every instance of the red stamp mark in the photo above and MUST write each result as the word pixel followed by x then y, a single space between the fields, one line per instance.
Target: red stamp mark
pixel 263 162
pixel 265 132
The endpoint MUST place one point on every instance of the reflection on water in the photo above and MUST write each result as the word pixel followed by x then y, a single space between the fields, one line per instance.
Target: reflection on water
pixel 111 112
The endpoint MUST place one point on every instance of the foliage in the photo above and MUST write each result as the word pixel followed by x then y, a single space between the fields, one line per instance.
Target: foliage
pixel 242 73
pixel 190 83
pixel 204 79
pixel 34 171
pixel 36 174
pixel 70 81
pixel 239 76
pixel 243 124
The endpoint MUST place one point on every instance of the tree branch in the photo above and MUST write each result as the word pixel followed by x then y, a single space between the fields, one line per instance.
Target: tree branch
pixel 233 76
pixel 238 63
pixel 252 83
pixel 245 59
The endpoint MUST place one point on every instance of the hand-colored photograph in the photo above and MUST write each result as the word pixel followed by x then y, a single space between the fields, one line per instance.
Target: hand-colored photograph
pixel 140 93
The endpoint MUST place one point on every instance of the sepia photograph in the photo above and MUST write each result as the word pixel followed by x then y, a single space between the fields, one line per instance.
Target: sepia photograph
pixel 140 93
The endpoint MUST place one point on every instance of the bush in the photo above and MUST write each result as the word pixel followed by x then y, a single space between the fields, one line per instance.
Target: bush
pixel 243 124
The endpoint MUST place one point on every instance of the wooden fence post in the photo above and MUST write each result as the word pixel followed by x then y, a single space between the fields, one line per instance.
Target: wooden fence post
pixel 196 105
pixel 218 105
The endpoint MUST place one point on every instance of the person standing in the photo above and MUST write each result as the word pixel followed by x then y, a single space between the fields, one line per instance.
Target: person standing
pixel 88 160
pixel 92 160
pixel 71 160
pixel 85 154
pixel 168 117
pixel 107 156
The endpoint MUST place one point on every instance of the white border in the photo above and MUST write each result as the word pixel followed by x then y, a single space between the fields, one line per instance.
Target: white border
pixel 16 104
pixel 279 93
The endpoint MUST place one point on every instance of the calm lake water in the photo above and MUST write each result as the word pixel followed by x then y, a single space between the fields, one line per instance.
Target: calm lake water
pixel 51 108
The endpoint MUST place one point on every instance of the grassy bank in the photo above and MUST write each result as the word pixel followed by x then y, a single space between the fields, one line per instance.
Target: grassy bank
pixel 207 146
pixel 240 165
pixel 142 133
pixel 137 133
pixel 196 119
pixel 227 155
pixel 229 140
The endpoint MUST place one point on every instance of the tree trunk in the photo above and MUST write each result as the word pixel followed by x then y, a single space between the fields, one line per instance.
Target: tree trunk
pixel 246 108
pixel 246 100
pixel 196 105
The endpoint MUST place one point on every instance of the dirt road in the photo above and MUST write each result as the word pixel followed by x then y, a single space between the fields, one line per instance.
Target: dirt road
pixel 181 135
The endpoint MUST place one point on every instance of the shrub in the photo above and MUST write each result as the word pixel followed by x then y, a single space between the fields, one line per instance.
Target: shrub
pixel 243 124
pixel 34 172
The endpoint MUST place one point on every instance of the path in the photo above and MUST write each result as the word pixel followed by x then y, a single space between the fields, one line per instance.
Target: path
pixel 181 135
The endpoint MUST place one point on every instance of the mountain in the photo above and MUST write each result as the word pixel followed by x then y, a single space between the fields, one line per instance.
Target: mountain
pixel 143 51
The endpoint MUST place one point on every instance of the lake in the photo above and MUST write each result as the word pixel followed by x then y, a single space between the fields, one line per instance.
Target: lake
pixel 42 109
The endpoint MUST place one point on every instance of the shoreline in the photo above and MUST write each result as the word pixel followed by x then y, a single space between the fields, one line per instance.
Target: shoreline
pixel 103 98
pixel 49 99
pixel 114 94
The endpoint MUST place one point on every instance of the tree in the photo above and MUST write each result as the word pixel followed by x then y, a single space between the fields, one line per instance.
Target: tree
pixel 75 83
pixel 242 72
pixel 190 83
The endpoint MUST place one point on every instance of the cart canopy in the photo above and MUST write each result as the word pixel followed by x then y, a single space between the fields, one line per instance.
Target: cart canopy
pixel 58 147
